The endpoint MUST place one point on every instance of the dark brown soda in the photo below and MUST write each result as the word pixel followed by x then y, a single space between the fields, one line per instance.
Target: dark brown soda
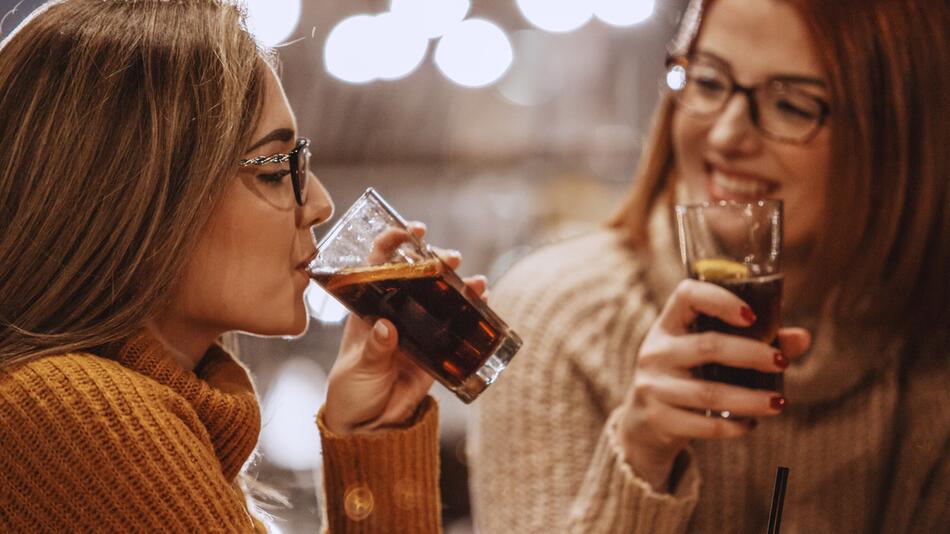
pixel 764 296
pixel 431 307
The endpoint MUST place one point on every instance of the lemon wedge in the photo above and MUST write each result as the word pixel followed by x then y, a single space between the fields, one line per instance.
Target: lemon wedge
pixel 715 270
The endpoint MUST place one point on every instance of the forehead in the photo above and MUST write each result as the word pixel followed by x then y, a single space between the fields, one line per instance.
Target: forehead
pixel 276 112
pixel 759 38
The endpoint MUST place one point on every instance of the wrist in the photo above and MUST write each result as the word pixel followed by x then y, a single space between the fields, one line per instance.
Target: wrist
pixel 333 422
pixel 651 463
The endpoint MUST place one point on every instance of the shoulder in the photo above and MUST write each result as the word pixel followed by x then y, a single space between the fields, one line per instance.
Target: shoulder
pixel 74 374
pixel 572 266
pixel 570 280
pixel 97 392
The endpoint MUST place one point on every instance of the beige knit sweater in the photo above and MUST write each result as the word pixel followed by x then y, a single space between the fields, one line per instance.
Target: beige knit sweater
pixel 865 435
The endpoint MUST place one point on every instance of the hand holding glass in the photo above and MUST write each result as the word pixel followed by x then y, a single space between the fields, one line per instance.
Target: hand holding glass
pixel 738 246
pixel 376 267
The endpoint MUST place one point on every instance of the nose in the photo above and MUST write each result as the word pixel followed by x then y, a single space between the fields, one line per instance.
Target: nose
pixel 319 206
pixel 733 130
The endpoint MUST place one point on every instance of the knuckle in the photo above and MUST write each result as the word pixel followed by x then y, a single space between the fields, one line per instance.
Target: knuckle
pixel 654 352
pixel 708 343
pixel 653 417
pixel 709 395
pixel 717 429
pixel 686 289
pixel 643 390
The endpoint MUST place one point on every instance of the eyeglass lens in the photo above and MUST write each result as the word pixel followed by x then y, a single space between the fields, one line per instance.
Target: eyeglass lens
pixel 783 111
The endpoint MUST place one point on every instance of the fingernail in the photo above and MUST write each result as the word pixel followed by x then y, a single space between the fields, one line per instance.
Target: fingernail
pixel 747 314
pixel 380 331
pixel 752 424
pixel 777 403
pixel 780 360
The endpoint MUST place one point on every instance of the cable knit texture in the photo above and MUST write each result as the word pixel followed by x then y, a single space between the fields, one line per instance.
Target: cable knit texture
pixel 384 482
pixel 866 431
pixel 128 443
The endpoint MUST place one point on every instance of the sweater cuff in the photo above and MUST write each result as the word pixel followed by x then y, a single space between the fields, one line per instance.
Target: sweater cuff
pixel 614 499
pixel 378 480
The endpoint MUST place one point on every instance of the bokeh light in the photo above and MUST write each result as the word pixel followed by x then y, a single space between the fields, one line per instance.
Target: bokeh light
pixel 556 15
pixel 474 53
pixel 431 17
pixel 623 12
pixel 535 76
pixel 272 21
pixel 289 436
pixel 349 53
pixel 400 47
pixel 322 306
pixel 676 78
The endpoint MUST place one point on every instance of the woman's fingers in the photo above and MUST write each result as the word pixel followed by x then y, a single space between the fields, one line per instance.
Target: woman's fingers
pixel 477 283
pixel 794 341
pixel 705 395
pixel 692 298
pixel 450 257
pixel 388 241
pixel 417 228
pixel 684 424
pixel 691 350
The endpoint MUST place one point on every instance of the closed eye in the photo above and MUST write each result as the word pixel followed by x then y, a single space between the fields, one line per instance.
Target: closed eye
pixel 273 178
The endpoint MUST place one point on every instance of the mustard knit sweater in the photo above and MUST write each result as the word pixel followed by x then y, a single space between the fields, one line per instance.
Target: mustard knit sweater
pixel 866 431
pixel 131 442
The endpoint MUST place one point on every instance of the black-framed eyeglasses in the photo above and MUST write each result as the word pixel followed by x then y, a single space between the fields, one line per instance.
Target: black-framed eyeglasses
pixel 299 159
pixel 780 109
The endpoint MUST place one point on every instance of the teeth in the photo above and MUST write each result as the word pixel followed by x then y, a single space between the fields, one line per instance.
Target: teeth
pixel 739 186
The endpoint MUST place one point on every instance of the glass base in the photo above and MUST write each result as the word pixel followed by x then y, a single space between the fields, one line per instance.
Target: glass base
pixel 479 381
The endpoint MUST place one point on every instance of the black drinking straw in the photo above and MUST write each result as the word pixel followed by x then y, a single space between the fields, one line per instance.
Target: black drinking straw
pixel 778 498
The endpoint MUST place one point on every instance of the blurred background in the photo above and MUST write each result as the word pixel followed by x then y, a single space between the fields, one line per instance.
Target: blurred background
pixel 502 124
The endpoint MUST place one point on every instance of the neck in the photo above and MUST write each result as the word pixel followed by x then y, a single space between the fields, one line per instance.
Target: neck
pixel 185 342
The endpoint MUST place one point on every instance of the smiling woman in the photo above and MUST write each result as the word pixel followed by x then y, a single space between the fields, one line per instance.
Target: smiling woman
pixel 831 107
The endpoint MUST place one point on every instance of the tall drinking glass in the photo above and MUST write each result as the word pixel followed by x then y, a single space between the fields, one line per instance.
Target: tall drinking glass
pixel 376 267
pixel 738 246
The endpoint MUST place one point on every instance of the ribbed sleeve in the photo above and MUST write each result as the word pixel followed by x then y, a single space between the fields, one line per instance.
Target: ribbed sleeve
pixel 386 481
pixel 87 445
pixel 614 499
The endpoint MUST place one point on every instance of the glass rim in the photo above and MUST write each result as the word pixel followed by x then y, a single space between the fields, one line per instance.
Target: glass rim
pixel 370 193
pixel 761 203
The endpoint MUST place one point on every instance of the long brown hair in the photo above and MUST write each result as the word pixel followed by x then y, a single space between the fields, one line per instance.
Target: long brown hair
pixel 884 247
pixel 120 124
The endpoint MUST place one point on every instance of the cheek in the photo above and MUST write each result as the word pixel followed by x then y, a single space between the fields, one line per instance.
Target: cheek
pixel 241 276
pixel 688 137
pixel 810 171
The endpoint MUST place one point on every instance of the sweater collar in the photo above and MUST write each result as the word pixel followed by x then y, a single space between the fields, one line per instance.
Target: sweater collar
pixel 219 390
pixel 841 358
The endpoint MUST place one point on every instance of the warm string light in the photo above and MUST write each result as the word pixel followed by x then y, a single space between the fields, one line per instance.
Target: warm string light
pixel 470 52
pixel 561 16
pixel 272 21
pixel 391 45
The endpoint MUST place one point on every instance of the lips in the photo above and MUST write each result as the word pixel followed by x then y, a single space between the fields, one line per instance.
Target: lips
pixel 303 264
pixel 731 184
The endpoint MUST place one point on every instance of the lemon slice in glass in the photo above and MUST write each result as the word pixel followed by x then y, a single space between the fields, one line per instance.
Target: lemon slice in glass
pixel 717 269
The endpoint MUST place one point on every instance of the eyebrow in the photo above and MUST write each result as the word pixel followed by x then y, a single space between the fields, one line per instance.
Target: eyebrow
pixel 788 78
pixel 280 134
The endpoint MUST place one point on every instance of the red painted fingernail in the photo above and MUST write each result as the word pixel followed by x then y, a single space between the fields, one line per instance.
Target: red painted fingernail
pixel 747 314
pixel 780 360
pixel 777 403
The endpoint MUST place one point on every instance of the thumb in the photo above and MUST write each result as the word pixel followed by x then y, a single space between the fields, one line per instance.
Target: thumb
pixel 380 344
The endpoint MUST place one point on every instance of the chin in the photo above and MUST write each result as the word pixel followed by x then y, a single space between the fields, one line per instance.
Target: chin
pixel 292 326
